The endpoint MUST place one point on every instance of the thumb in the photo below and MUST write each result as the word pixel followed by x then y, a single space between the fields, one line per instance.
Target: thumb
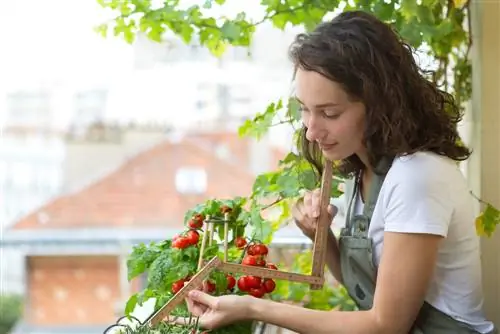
pixel 203 298
pixel 332 210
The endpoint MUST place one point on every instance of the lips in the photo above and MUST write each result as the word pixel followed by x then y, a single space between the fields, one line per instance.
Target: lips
pixel 326 147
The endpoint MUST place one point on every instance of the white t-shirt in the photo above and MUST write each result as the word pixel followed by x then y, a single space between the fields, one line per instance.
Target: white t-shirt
pixel 427 193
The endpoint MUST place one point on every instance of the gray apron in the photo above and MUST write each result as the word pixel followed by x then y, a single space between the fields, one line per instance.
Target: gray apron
pixel 359 272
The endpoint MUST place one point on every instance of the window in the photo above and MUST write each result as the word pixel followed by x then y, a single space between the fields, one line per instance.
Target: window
pixel 191 180
pixel 28 108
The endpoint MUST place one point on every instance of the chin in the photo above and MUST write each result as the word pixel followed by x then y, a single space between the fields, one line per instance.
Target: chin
pixel 334 156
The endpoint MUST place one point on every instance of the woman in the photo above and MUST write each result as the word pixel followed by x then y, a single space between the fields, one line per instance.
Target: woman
pixel 409 217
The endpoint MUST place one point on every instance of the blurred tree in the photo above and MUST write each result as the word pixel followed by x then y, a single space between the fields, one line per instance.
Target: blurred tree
pixel 10 311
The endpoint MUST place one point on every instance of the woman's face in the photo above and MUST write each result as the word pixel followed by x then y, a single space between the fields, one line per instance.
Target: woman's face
pixel 332 120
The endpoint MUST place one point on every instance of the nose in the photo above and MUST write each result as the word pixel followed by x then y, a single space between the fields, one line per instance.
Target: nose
pixel 315 128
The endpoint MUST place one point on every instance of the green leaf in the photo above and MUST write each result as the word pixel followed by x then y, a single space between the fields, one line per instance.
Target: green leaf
pixel 293 110
pixel 488 220
pixel 230 31
pixel 261 122
pixel 140 259
pixel 131 304
pixel 210 251
pixel 409 33
pixel 220 280
pixel 102 30
pixel 383 10
pixel 408 8
pixel 169 267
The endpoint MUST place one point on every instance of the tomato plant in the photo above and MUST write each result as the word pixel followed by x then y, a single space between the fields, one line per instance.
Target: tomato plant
pixel 171 263
pixel 192 328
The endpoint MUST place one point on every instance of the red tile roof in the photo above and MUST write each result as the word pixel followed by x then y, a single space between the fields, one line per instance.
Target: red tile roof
pixel 142 192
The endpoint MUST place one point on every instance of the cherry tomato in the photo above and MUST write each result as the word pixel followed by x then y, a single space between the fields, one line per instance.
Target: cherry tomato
pixel 231 282
pixel 242 284
pixel 199 217
pixel 181 242
pixel 257 292
pixel 271 266
pixel 261 262
pixel 209 286
pixel 269 285
pixel 240 242
pixel 260 249
pixel 193 237
pixel 250 250
pixel 253 282
pixel 178 285
pixel 195 223
pixel 249 260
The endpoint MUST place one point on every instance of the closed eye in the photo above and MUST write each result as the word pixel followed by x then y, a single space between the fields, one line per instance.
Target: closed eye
pixel 331 114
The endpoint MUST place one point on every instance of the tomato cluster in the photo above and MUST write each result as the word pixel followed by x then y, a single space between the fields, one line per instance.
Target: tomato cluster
pixel 255 254
pixel 256 286
pixel 186 239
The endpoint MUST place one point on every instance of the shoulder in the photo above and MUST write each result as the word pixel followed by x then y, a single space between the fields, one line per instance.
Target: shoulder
pixel 422 166
pixel 423 174
pixel 419 194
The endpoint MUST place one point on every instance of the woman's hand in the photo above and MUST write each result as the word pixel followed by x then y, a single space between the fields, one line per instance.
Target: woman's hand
pixel 214 312
pixel 306 211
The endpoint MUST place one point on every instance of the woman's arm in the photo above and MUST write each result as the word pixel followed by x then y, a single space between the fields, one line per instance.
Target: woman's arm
pixel 404 273
pixel 417 213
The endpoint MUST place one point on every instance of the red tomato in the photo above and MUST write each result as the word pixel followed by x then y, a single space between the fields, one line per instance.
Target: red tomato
pixel 257 292
pixel 177 286
pixel 209 286
pixel 250 250
pixel 261 262
pixel 231 282
pixel 253 282
pixel 260 249
pixel 193 237
pixel 181 242
pixel 195 223
pixel 269 285
pixel 240 242
pixel 242 284
pixel 249 260
pixel 271 266
pixel 199 217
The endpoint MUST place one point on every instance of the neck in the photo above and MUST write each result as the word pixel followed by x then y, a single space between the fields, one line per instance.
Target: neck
pixel 363 156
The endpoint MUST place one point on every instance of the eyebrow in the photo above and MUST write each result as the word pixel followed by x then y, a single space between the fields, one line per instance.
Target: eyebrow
pixel 319 106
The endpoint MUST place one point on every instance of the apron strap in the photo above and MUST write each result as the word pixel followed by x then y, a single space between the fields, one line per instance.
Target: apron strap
pixel 364 219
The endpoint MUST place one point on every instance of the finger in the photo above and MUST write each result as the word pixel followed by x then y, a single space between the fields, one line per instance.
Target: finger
pixel 332 210
pixel 204 298
pixel 180 321
pixel 195 308
pixel 298 211
pixel 308 204
pixel 315 203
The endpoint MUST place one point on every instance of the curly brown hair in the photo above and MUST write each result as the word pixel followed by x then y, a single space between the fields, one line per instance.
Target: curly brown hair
pixel 405 112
